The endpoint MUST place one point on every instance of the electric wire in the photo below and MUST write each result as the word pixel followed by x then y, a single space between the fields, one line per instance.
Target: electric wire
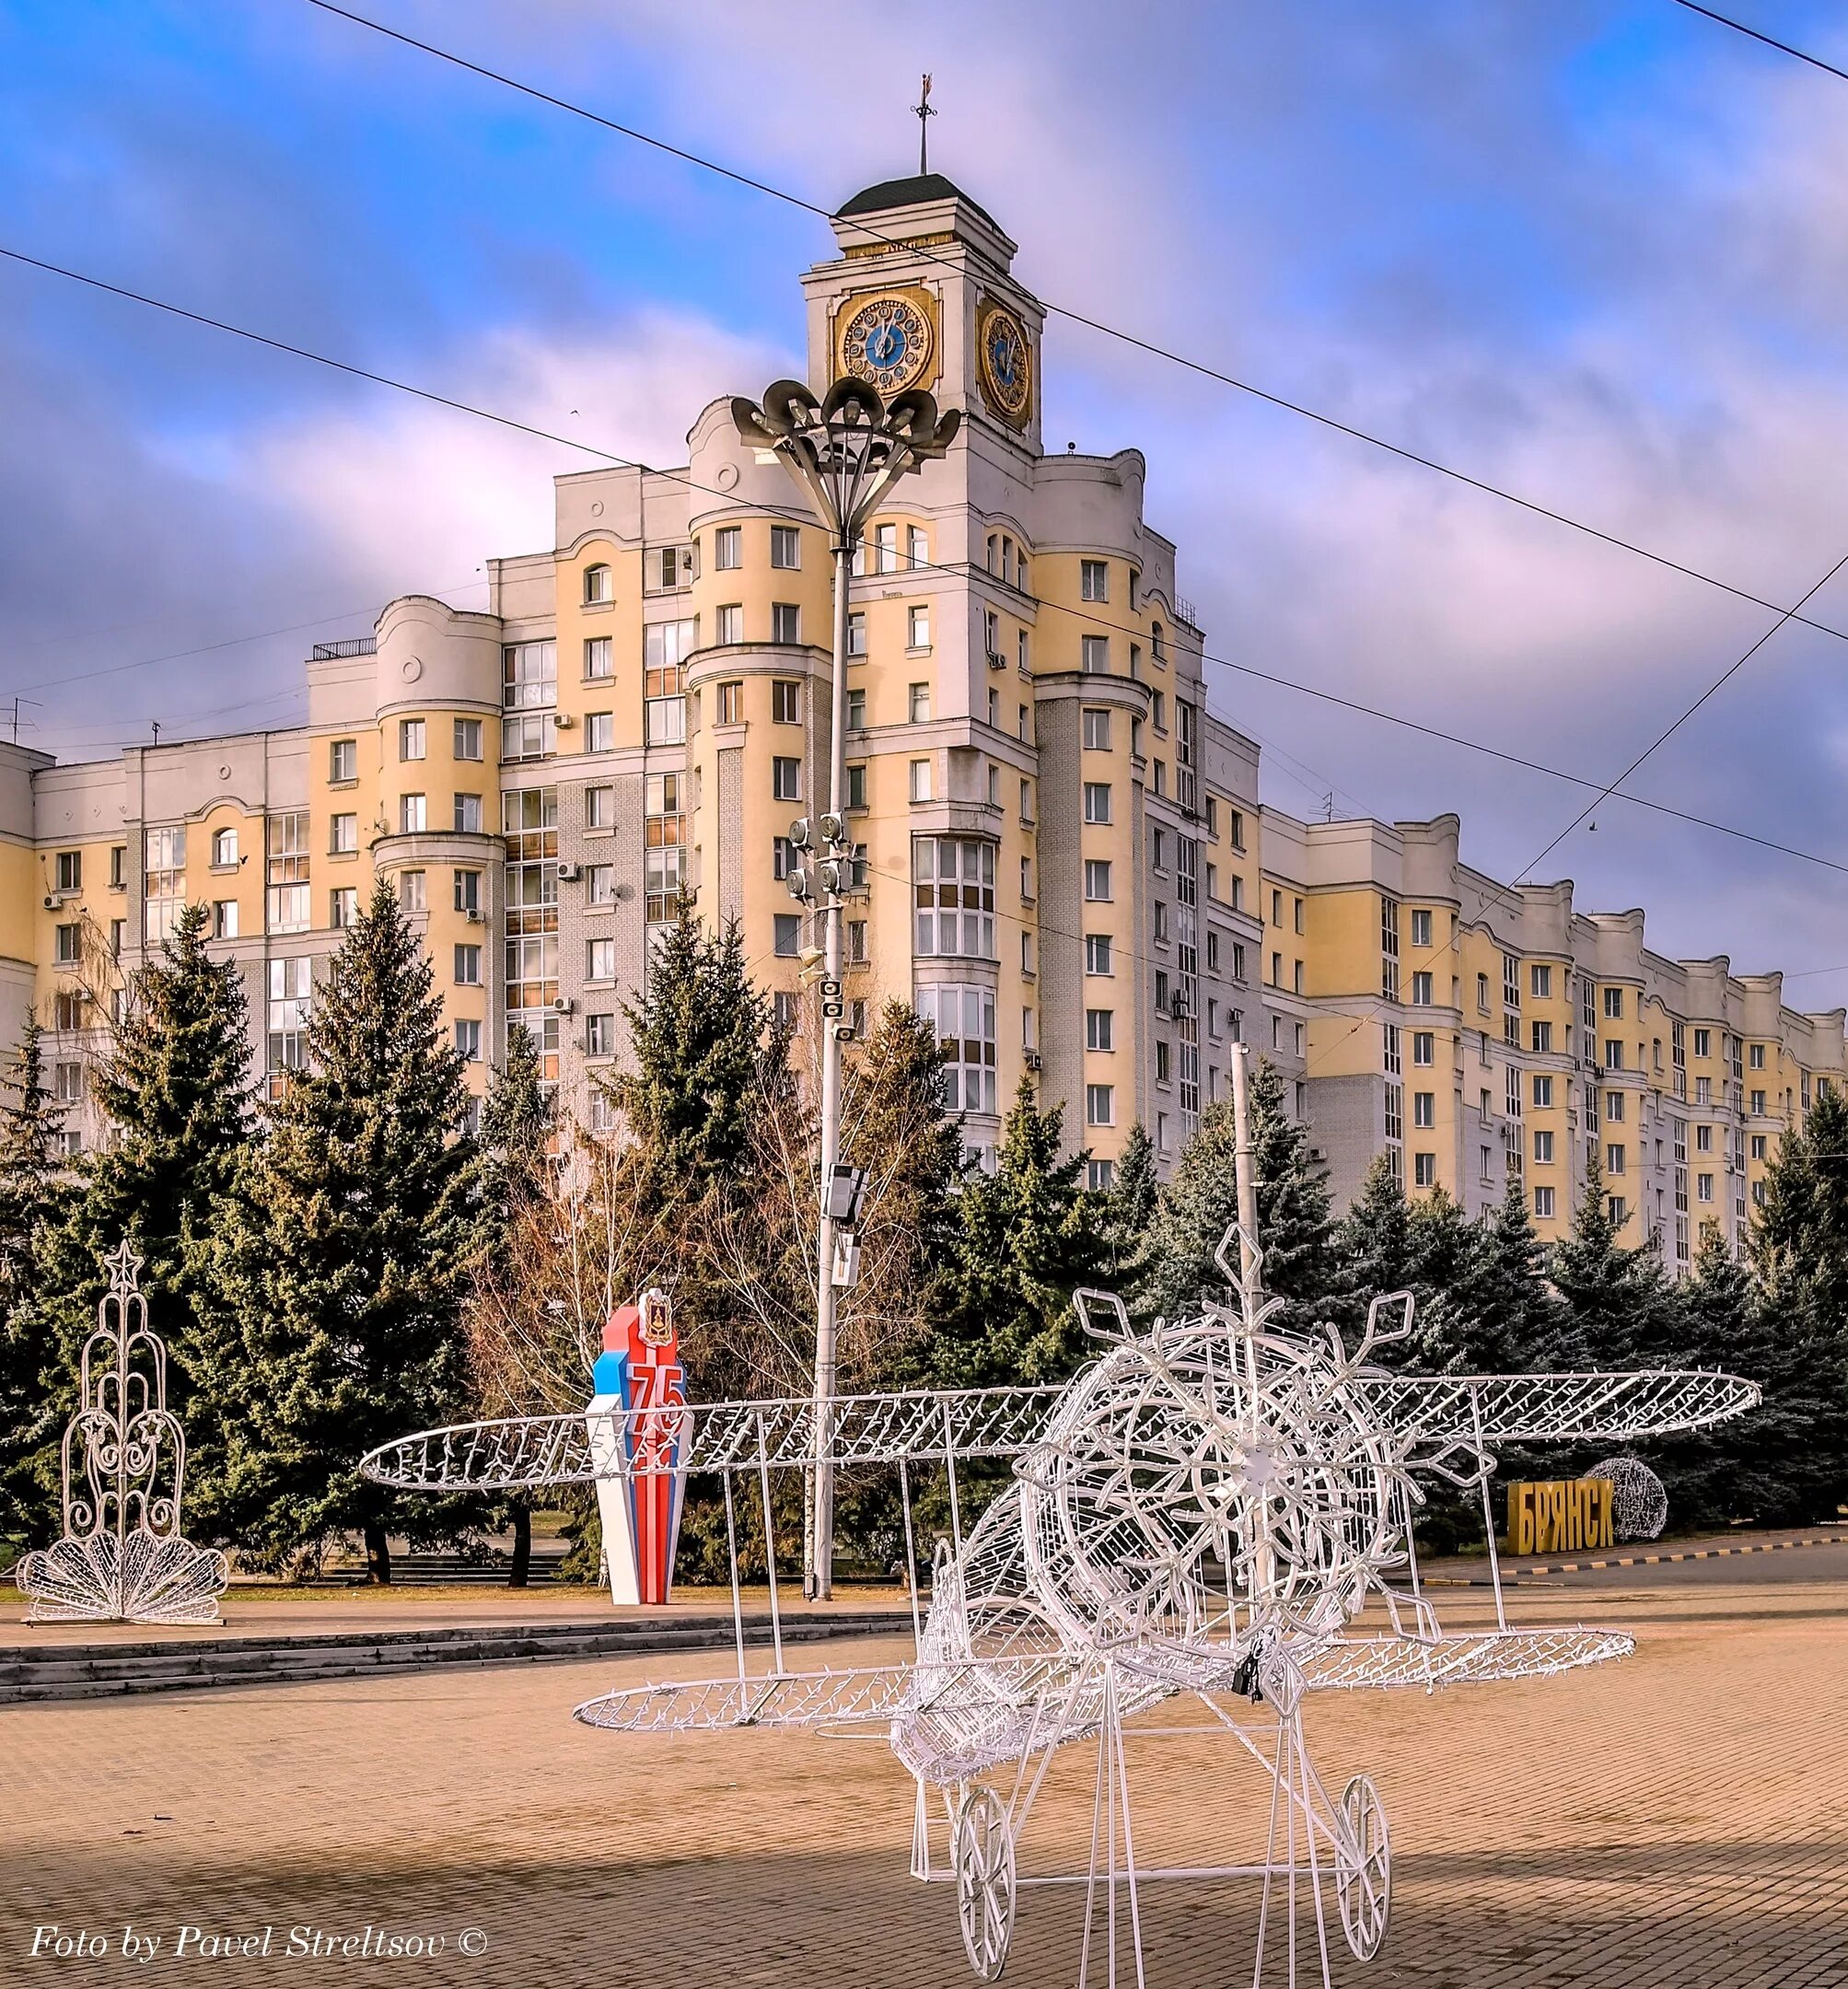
pixel 1072 316
pixel 965 568
pixel 1756 34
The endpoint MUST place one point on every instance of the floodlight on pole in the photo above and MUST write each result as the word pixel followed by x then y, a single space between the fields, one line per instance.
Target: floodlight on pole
pixel 844 452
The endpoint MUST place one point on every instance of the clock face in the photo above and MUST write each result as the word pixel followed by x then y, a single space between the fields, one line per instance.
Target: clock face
pixel 887 344
pixel 1007 363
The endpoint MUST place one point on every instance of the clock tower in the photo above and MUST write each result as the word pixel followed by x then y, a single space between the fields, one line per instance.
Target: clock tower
pixel 922 296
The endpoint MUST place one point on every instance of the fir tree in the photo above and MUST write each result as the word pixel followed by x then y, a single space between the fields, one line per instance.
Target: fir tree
pixel 176 1088
pixel 1377 1246
pixel 1295 1223
pixel 345 1251
pixel 696 1036
pixel 1493 1313
pixel 1619 1312
pixel 31 1160
pixel 1134 1201
pixel 1027 1237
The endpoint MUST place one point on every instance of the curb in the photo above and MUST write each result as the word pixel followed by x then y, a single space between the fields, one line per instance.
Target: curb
pixel 1653 1560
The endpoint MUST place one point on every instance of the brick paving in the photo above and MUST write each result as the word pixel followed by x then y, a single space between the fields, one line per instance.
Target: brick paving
pixel 1677 1820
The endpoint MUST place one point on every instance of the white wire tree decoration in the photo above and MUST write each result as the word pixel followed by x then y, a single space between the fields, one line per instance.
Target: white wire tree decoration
pixel 1206 1511
pixel 122 1557
pixel 1638 1498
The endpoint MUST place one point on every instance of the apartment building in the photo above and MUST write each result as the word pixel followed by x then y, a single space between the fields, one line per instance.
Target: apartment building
pixel 1059 853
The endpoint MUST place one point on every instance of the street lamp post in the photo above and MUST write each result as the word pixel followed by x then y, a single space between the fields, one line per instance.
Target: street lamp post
pixel 844 452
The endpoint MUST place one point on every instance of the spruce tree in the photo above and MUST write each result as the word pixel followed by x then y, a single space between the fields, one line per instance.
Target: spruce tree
pixel 1027 1237
pixel 32 1162
pixel 345 1251
pixel 1493 1313
pixel 176 1086
pixel 1296 1222
pixel 1619 1310
pixel 1134 1201
pixel 1377 1246
pixel 696 1037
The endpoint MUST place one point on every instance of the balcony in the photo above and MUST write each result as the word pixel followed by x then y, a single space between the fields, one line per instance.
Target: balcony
pixel 331 652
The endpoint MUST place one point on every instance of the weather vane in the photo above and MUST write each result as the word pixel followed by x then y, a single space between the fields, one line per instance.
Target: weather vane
pixel 924 113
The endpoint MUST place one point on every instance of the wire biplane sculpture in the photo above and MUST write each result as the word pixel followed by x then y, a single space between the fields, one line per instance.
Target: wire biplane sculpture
pixel 1204 1511
pixel 1639 1500
pixel 122 1557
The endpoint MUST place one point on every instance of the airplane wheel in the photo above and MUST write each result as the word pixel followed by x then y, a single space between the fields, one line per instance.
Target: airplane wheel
pixel 1363 1868
pixel 983 1854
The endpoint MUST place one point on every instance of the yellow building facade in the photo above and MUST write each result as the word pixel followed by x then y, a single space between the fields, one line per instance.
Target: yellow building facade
pixel 1060 855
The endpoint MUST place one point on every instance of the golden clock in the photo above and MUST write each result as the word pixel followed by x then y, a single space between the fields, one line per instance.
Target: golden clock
pixel 1007 363
pixel 888 342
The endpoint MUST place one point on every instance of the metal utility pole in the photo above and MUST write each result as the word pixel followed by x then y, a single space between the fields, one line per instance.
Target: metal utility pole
pixel 1244 1165
pixel 844 452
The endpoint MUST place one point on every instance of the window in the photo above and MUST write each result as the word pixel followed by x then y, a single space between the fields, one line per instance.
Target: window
pixel 118 880
pixel 1099 1029
pixel 529 676
pixel 917 628
pixel 856 783
pixel 223 918
pixel 1101 1104
pixel 953 896
pixel 1094 580
pixel 1511 981
pixel 1424 1170
pixel 731 623
pixel 469 1041
pixel 285 843
pixel 886 541
pixel 1543 1204
pixel 1703 1042
pixel 1395 1112
pixel 343 760
pixel 1759 1145
pixel 731 702
pixel 917 703
pixel 412 892
pixel 1539 979
pixel 1613 1160
pixel 785 700
pixel 856 634
pixel 1420 990
pixel 1619 1210
pixel 223 855
pixel 1095 654
pixel 1098 801
pixel 920 780
pixel 1613 1051
pixel 291 983
pixel 1543 1147
pixel 856 942
pixel 599 960
pixel 1096 881
pixel 599 661
pixel 785 621
pixel 467 966
pixel 1158 712
pixel 1542 1037
pixel 785 779
pixel 599 731
pixel 1613 1107
pixel 600 884
pixel 1757 1104
pixel 1421 929
pixel 1756 1056
pixel 342 835
pixel 468 892
pixel 1424 1047
pixel 411 814
pixel 788 935
pixel 599 1035
pixel 1424 1108
pixel 728 549
pixel 600 586
pixel 664 647
pixel 785 548
pixel 1542 1091
pixel 1703 1187
pixel 1613 1005
pixel 1097 731
pixel 468 738
pixel 963 1018
pixel 465 812
pixel 600 808
pixel 343 907
pixel 67 1083
pixel 917 547
pixel 1097 953
pixel 1483 994
pixel 527 735
pixel 411 739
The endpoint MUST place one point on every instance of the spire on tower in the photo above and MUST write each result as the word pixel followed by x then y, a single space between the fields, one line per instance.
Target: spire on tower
pixel 923 112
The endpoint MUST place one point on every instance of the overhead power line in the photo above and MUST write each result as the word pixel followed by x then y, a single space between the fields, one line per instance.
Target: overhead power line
pixel 1755 34
pixel 1072 316
pixel 1088 616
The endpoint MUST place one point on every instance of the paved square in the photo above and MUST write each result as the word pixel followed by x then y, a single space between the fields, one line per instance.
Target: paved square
pixel 1677 1820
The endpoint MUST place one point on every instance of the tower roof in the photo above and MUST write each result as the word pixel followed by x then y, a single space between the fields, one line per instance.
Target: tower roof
pixel 916 190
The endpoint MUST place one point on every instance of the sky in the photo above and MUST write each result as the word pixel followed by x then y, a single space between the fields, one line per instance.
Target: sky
pixel 1590 251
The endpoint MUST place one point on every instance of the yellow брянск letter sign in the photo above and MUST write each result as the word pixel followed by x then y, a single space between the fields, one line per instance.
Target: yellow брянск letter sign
pixel 1560 1515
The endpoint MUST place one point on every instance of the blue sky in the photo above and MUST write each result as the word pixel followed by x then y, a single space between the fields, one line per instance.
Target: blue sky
pixel 1593 251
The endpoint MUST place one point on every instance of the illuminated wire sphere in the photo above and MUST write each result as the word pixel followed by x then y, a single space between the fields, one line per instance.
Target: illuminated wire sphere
pixel 1639 1503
